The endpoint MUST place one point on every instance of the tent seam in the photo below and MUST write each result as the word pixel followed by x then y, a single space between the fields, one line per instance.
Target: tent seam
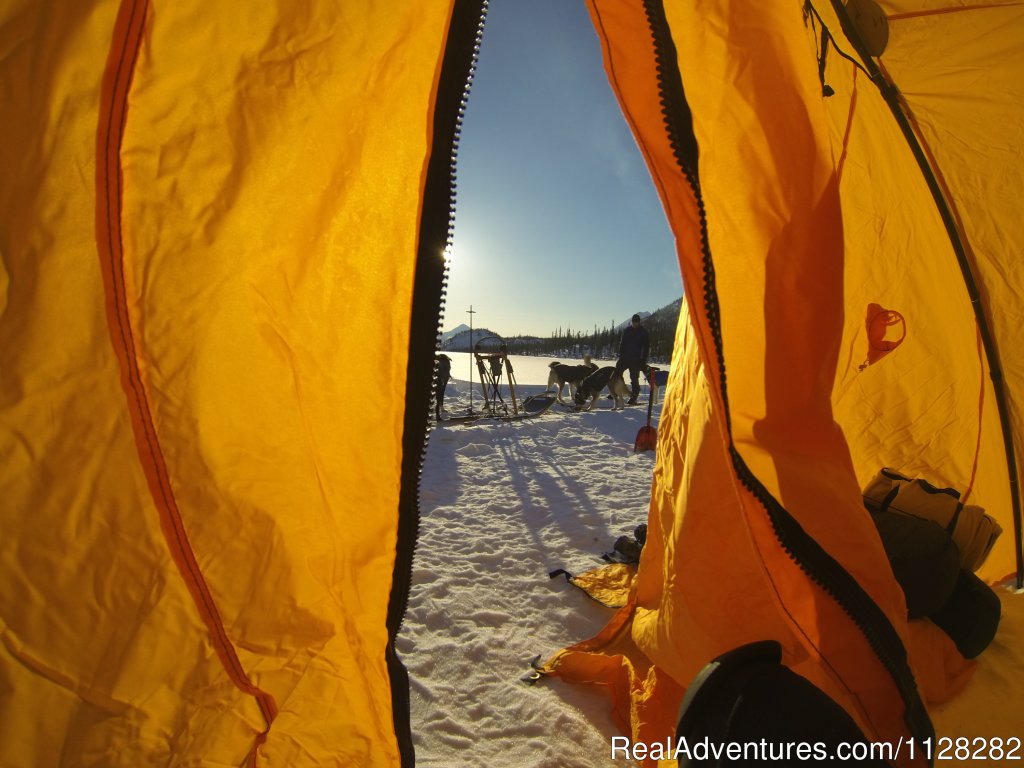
pixel 125 44
pixel 950 9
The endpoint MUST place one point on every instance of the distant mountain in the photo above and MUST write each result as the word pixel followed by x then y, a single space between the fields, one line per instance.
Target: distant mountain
pixel 460 340
pixel 643 316
pixel 668 312
pixel 453 333
pixel 661 327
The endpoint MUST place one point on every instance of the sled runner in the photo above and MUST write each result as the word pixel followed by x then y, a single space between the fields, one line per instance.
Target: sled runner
pixel 535 405
pixel 532 406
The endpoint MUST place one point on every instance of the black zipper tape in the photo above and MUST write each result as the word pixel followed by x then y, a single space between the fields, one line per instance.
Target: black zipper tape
pixel 436 227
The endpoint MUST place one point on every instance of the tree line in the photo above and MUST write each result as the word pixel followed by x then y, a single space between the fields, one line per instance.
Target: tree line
pixel 603 342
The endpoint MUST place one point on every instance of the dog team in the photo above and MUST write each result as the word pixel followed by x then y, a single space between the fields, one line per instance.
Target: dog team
pixel 586 381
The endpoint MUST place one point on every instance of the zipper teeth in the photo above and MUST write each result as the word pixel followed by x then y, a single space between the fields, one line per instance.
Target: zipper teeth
pixel 808 555
pixel 459 56
pixel 449 239
pixel 453 173
pixel 686 153
pixel 397 611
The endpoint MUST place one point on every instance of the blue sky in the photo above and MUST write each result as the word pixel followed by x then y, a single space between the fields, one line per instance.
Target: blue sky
pixel 557 221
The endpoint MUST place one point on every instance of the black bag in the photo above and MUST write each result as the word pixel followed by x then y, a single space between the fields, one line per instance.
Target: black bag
pixel 926 565
pixel 748 697
pixel 971 528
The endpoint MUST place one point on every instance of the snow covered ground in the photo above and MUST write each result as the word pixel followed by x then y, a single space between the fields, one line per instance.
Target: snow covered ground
pixel 503 504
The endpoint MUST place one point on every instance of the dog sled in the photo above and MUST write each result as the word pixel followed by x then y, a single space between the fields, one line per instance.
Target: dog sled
pixel 493 363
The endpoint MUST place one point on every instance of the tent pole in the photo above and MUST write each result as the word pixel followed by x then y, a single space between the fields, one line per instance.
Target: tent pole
pixel 899 110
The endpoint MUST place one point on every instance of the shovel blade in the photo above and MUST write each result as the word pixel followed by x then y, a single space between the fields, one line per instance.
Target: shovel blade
pixel 646 439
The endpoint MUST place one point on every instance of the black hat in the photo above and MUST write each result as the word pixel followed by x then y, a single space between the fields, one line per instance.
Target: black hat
pixel 636 318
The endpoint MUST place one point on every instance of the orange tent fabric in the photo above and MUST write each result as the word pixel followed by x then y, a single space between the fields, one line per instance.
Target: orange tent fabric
pixel 202 212
pixel 203 209
pixel 802 216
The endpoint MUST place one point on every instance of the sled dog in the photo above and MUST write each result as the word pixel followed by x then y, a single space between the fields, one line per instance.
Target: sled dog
pixel 562 375
pixel 591 387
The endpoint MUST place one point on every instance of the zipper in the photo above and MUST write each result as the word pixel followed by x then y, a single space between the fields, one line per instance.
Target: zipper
pixel 437 219
pixel 812 559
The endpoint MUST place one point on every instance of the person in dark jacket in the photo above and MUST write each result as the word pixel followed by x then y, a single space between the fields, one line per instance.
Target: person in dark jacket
pixel 633 351
pixel 443 374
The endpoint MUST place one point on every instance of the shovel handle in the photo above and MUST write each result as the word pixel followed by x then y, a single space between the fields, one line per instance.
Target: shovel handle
pixel 654 390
